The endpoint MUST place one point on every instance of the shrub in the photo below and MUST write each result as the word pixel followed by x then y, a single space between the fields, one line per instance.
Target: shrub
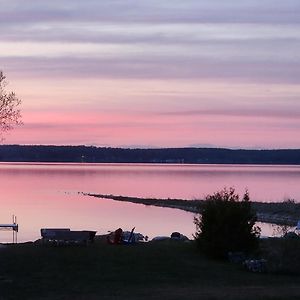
pixel 226 224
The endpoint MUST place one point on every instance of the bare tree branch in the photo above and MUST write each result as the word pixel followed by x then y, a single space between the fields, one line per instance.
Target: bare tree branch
pixel 10 114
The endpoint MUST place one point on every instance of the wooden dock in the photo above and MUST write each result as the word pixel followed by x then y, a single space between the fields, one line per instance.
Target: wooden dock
pixel 14 227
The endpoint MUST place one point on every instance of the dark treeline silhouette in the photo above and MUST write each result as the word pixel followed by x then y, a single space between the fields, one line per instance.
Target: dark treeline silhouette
pixel 20 153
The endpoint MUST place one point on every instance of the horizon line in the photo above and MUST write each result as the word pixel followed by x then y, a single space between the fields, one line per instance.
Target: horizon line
pixel 151 147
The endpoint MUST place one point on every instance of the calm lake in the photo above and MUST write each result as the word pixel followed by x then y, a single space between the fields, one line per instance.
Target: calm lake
pixel 47 195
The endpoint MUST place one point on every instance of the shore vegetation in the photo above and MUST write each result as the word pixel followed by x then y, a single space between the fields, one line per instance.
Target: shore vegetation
pixel 226 224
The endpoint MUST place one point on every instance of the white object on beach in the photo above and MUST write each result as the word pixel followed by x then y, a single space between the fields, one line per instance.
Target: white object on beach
pixel 161 238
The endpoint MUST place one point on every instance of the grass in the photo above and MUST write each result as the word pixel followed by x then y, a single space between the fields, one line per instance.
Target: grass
pixel 169 270
pixel 283 255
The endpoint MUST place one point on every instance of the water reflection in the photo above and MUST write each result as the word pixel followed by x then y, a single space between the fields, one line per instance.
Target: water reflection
pixel 46 195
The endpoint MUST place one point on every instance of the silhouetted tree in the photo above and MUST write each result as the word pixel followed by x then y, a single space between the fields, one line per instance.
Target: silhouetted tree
pixel 10 114
pixel 226 224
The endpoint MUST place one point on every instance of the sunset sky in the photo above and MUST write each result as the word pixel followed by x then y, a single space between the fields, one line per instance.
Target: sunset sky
pixel 154 73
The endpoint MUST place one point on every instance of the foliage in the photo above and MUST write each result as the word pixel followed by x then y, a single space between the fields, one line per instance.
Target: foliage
pixel 121 155
pixel 10 115
pixel 226 224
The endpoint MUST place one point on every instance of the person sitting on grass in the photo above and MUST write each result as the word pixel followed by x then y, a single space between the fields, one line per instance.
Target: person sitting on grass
pixel 115 237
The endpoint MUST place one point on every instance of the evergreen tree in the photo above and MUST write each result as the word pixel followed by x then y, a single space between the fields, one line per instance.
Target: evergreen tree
pixel 226 224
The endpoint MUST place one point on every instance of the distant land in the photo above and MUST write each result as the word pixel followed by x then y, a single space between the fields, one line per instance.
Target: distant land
pixel 90 154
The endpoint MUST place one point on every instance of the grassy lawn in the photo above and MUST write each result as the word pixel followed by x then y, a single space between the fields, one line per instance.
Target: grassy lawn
pixel 161 270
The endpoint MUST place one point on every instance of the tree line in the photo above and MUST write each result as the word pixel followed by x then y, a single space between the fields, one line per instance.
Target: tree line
pixel 91 154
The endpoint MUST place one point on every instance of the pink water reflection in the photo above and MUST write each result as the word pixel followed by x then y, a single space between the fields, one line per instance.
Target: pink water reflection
pixel 46 195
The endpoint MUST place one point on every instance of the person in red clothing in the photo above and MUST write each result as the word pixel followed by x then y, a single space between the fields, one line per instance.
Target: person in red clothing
pixel 116 237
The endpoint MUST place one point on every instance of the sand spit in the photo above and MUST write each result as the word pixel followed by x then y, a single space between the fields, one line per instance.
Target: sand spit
pixel 282 213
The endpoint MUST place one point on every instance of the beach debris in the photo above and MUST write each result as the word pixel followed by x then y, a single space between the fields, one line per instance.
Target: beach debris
pixel 297 229
pixel 256 265
pixel 125 237
pixel 252 265
pixel 137 237
pixel 175 236
pixel 178 236
pixel 160 238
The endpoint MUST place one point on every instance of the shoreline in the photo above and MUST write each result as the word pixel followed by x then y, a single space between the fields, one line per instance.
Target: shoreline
pixel 280 213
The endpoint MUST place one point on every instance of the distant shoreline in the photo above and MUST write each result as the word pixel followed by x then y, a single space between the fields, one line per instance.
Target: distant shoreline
pixel 187 155
pixel 281 213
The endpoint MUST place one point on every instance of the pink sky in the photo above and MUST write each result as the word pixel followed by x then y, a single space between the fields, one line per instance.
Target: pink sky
pixel 153 74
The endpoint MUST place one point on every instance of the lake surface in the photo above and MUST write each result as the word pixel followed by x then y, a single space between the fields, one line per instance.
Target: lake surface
pixel 48 195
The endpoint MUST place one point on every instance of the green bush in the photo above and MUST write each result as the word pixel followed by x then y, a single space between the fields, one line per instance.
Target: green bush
pixel 226 224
